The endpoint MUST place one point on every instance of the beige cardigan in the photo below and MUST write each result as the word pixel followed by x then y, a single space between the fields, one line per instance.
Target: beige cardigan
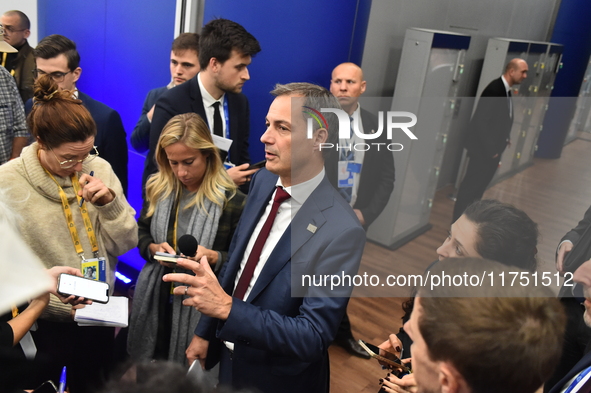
pixel 34 196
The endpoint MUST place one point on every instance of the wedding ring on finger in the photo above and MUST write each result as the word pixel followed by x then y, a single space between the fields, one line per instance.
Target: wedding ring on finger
pixel 186 290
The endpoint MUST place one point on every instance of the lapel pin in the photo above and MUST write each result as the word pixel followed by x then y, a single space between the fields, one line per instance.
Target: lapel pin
pixel 312 228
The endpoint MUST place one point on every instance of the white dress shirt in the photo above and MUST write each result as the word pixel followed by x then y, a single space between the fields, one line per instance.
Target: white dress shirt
pixel 208 102
pixel 287 210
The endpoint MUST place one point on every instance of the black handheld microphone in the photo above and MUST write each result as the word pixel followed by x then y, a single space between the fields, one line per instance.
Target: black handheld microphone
pixel 188 245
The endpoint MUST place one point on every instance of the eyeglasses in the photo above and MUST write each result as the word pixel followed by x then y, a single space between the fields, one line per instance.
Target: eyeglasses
pixel 57 76
pixel 10 29
pixel 67 164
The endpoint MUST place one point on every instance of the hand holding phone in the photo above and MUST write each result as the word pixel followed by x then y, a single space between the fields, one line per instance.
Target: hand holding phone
pixel 257 165
pixel 386 357
pixel 84 287
pixel 166 257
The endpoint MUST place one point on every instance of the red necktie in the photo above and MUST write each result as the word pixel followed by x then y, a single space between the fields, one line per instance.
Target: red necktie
pixel 280 196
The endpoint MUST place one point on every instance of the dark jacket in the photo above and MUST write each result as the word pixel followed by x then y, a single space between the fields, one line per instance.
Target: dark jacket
pixel 140 138
pixel 187 98
pixel 23 71
pixel 490 127
pixel 377 176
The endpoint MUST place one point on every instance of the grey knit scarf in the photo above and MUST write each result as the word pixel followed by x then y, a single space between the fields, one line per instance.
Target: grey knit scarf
pixel 144 317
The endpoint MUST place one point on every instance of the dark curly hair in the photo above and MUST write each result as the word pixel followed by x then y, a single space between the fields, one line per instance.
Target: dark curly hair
pixel 505 234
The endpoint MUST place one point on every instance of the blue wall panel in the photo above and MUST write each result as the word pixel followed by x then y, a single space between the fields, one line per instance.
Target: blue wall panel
pixel 124 47
pixel 572 29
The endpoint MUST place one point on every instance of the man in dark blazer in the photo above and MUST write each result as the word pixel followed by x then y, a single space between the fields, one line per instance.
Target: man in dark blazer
pixel 376 179
pixel 225 51
pixel 21 64
pixel 490 128
pixel 573 251
pixel 578 379
pixel 271 328
pixel 372 185
pixel 56 55
pixel 184 65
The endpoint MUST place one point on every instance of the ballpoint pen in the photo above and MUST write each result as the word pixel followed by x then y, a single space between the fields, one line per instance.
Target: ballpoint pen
pixel 62 387
pixel 82 199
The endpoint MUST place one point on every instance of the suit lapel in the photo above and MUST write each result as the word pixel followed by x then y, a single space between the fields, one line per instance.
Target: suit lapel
pixel 297 234
pixel 234 121
pixel 83 97
pixel 197 99
pixel 256 203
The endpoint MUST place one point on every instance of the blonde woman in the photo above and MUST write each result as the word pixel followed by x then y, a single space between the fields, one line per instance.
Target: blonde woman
pixel 191 194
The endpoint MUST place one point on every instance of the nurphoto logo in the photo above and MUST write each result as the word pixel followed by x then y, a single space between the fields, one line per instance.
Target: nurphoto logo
pixel 345 128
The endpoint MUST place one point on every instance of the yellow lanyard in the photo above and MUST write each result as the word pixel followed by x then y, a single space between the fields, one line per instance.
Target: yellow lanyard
pixel 70 219
pixel 176 220
pixel 4 62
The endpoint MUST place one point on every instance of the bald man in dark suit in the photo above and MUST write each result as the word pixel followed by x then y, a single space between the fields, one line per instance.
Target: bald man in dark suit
pixel 488 136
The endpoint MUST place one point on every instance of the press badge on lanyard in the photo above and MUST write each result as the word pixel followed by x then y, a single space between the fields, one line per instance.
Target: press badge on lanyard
pixel 86 263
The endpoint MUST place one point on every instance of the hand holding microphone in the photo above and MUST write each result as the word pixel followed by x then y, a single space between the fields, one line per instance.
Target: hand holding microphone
pixel 190 249
pixel 188 246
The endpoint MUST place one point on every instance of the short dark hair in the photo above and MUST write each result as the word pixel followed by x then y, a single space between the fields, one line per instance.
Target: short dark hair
pixel 315 97
pixel 55 45
pixel 220 36
pixel 186 41
pixel 499 338
pixel 25 22
pixel 505 233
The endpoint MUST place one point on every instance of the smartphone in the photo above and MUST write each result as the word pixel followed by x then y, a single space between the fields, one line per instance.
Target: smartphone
pixel 166 257
pixel 384 357
pixel 87 288
pixel 258 165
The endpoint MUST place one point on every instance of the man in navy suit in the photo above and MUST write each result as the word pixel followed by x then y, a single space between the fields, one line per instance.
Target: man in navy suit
pixel 578 379
pixel 57 56
pixel 225 52
pixel 265 321
pixel 488 136
pixel 184 65
pixel 573 251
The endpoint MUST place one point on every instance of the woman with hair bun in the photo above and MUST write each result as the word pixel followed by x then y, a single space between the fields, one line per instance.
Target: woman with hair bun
pixel 73 209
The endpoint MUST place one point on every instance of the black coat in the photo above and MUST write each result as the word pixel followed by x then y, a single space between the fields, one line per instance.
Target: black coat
pixel 490 127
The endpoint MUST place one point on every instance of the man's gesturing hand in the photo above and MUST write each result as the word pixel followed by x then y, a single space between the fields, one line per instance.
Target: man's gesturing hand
pixel 203 290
